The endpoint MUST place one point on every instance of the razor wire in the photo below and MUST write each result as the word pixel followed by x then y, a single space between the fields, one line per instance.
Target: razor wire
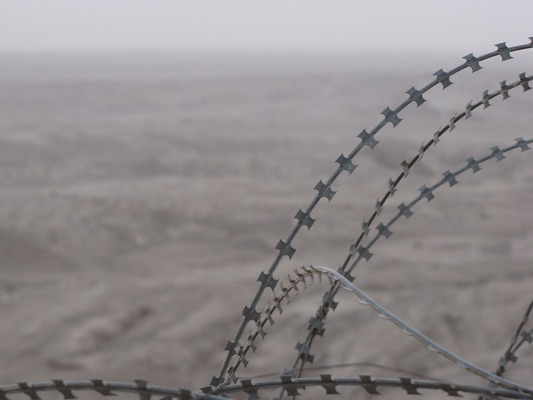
pixel 383 312
pixel 383 230
pixel 68 389
pixel 369 384
pixel 519 338
pixel 317 326
pixel 424 147
pixel 303 276
pixel 227 381
pixel 285 248
pixel 145 391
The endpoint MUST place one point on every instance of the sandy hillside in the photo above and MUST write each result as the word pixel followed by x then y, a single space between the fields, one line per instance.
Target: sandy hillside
pixel 143 194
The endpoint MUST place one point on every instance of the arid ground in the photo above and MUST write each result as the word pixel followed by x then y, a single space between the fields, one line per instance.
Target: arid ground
pixel 143 193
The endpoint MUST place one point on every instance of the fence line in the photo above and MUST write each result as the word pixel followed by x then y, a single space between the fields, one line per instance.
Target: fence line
pixel 145 391
pixel 317 328
pixel 302 276
pixel 227 381
pixel 383 230
pixel 285 248
pixel 105 388
pixel 370 385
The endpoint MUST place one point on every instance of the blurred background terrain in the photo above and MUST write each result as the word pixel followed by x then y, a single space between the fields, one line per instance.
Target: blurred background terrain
pixel 143 192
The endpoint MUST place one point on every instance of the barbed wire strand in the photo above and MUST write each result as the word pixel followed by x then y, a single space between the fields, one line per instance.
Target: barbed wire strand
pixel 328 299
pixel 345 164
pixel 403 210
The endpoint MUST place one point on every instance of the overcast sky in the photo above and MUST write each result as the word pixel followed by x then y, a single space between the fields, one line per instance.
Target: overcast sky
pixel 461 25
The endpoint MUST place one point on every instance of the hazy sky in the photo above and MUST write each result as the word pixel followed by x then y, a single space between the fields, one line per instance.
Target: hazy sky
pixel 461 25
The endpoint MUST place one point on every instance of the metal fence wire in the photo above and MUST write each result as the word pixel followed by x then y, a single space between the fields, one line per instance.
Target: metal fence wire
pixel 241 346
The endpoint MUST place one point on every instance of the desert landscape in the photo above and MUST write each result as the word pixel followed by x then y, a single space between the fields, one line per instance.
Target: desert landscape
pixel 143 193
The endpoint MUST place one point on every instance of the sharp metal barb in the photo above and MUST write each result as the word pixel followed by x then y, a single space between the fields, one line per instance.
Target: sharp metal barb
pixel 473 165
pixel 249 389
pixel 285 249
pixel 450 178
pixel 365 228
pixel 527 336
pixel 472 62
pixel 64 390
pixel 101 388
pixel 346 164
pixel 32 394
pixel 392 187
pixel 408 386
pixel 405 167
pixel 384 230
pixel 250 314
pixel 369 385
pixel 304 352
pixel 436 136
pixel 443 78
pixel 391 116
pixel 144 394
pixel 504 90
pixel 329 299
pixel 267 281
pixel 468 110
pixel 368 139
pixel 427 193
pixel 329 386
pixel 503 51
pixel 522 144
pixel 452 122
pixel 216 381
pixel 353 250
pixel 416 96
pixel 524 81
pixel 496 152
pixel 421 151
pixel 364 253
pixel 316 325
pixel 486 98
pixel 450 390
pixel 405 210
pixel 324 190
pixel 379 207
